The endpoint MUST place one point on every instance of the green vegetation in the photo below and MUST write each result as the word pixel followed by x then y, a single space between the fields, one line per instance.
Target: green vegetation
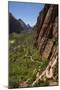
pixel 24 59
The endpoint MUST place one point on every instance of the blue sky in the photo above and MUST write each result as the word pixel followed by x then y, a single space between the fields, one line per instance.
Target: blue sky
pixel 28 12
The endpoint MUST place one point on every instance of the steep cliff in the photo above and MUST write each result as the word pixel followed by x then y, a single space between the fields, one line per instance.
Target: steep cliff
pixel 46 39
pixel 14 25
pixel 17 25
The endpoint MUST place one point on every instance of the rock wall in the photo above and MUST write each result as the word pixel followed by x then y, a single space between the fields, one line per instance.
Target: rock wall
pixel 46 38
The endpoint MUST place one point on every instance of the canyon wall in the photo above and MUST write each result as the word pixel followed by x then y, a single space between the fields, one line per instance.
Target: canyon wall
pixel 46 38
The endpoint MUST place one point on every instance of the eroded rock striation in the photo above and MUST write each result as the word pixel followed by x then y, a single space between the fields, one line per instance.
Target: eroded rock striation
pixel 46 37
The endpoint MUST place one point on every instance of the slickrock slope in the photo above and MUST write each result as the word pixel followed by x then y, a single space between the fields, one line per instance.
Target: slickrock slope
pixel 46 40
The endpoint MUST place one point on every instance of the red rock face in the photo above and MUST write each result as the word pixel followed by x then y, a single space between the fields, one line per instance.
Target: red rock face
pixel 46 38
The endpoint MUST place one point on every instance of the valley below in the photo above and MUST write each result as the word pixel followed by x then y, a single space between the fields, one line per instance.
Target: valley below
pixel 33 51
pixel 25 63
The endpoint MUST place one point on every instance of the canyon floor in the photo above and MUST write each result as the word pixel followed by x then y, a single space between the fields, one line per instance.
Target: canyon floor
pixel 25 63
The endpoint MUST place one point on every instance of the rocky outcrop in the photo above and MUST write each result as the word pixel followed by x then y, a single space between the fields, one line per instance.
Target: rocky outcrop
pixel 47 30
pixel 46 38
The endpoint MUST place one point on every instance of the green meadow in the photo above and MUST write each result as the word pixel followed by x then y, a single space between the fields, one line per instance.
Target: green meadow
pixel 24 59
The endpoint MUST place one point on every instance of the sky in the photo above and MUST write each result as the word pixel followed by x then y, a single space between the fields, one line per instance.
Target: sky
pixel 28 12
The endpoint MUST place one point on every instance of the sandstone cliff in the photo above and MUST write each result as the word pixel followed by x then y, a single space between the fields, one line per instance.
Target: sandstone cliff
pixel 46 39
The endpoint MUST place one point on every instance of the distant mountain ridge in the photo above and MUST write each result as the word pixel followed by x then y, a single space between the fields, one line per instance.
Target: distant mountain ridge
pixel 17 25
pixel 29 27
pixel 23 24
